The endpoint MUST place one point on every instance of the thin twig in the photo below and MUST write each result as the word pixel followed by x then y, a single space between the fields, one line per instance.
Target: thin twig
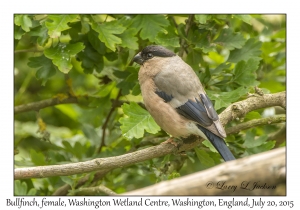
pixel 27 50
pixel 256 122
pixel 94 191
pixel 114 106
pixel 43 104
pixel 187 29
pixel 63 190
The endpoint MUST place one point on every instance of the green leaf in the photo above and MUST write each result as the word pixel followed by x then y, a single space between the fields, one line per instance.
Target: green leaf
pixel 168 38
pixel 68 147
pixel 20 188
pixel 202 18
pixel 90 60
pixel 251 141
pixel 136 90
pixel 255 144
pixel 193 59
pixel 96 43
pixel 45 65
pixel 18 32
pixel 37 158
pixel 250 50
pixel 91 134
pixel 201 39
pixel 129 80
pixel 107 33
pixel 246 18
pixel 208 144
pixel 129 40
pixel 58 23
pixel 79 149
pixel 224 99
pixel 204 158
pixel 62 53
pixel 150 25
pixel 230 40
pixel 216 57
pixel 252 115
pixel 106 89
pixel 42 33
pixel 244 72
pixel 32 192
pixel 24 21
pixel 112 56
pixel 68 110
pixel 67 180
pixel 136 121
pixel 220 68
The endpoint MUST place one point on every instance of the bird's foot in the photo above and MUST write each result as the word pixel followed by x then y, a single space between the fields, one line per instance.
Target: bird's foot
pixel 170 141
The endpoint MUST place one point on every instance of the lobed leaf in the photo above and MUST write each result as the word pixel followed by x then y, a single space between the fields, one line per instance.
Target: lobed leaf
pixel 24 21
pixel 224 99
pixel 136 121
pixel 62 53
pixel 244 72
pixel 45 65
pixel 150 25
pixel 230 40
pixel 107 33
pixel 58 23
pixel 251 49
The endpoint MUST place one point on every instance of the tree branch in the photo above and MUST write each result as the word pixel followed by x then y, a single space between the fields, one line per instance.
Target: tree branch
pixel 256 122
pixel 43 104
pixel 28 50
pixel 94 191
pixel 95 164
pixel 63 190
pixel 239 109
pixel 268 169
pixel 114 106
pixel 235 110
pixel 187 29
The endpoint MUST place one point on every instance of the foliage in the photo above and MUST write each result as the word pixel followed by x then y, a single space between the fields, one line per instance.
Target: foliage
pixel 89 57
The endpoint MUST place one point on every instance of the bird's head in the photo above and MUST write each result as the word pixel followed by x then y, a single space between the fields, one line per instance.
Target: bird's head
pixel 152 51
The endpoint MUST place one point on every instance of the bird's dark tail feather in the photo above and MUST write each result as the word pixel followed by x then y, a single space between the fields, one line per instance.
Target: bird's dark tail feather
pixel 219 144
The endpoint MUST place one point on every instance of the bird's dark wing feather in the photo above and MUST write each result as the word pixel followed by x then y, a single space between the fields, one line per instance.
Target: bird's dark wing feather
pixel 167 98
pixel 195 111
pixel 201 112
pixel 219 144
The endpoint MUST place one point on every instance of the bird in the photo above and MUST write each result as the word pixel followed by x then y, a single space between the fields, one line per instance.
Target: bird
pixel 175 98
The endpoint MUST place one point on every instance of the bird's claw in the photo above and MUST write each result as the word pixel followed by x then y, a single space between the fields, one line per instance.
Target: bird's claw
pixel 170 141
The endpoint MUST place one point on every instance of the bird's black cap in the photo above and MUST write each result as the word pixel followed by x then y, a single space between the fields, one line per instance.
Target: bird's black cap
pixel 152 51
pixel 158 51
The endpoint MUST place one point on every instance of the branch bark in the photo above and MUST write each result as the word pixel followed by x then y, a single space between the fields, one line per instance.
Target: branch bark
pixel 268 170
pixel 189 22
pixel 94 191
pixel 239 109
pixel 63 190
pixel 256 122
pixel 43 104
pixel 235 110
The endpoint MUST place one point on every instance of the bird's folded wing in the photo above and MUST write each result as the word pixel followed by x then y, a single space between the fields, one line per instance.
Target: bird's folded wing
pixel 185 94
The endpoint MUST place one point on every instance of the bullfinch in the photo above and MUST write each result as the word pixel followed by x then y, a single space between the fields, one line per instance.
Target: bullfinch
pixel 175 98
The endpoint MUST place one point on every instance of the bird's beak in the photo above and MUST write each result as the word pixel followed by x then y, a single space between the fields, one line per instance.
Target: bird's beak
pixel 138 59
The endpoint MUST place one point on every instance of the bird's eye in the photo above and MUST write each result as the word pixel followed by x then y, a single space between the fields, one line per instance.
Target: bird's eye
pixel 149 55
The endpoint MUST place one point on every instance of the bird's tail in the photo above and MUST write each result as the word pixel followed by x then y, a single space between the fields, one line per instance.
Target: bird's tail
pixel 218 143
